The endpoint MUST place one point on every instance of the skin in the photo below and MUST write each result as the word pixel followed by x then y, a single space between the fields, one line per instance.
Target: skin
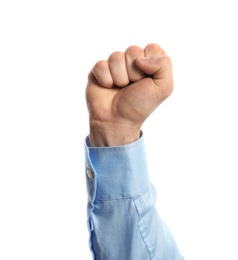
pixel 124 90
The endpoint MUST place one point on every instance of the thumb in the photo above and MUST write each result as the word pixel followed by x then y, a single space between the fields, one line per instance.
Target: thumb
pixel 159 68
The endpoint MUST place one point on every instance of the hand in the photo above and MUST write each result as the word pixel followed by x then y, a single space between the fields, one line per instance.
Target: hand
pixel 124 90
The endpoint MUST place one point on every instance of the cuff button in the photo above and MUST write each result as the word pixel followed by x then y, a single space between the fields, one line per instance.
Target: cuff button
pixel 90 174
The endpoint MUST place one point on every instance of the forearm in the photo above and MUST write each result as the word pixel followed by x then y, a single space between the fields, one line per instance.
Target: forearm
pixel 123 221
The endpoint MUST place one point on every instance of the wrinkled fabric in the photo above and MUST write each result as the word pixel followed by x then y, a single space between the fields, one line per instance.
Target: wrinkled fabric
pixel 123 222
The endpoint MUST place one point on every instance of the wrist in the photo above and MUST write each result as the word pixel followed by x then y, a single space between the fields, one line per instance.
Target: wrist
pixel 112 134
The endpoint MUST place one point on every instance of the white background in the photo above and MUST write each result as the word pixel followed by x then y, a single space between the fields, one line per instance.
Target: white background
pixel 46 50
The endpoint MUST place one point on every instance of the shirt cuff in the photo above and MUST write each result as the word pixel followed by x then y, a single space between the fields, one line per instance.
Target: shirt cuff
pixel 116 172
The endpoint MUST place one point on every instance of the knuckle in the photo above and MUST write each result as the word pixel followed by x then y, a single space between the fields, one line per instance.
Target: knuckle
pixel 153 49
pixel 166 63
pixel 134 50
pixel 117 55
pixel 100 65
pixel 167 60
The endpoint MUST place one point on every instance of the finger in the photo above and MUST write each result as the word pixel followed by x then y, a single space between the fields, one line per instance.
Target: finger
pixel 155 63
pixel 134 73
pixel 102 74
pixel 153 49
pixel 117 66
pixel 160 69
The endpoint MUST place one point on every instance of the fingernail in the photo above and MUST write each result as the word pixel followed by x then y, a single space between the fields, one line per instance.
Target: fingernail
pixel 144 59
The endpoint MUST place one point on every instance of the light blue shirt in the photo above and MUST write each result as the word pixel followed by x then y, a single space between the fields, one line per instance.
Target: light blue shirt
pixel 122 219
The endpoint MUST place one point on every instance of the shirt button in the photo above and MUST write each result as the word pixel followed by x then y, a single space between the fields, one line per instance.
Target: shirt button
pixel 90 174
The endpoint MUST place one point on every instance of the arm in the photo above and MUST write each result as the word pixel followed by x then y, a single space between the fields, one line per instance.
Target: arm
pixel 121 93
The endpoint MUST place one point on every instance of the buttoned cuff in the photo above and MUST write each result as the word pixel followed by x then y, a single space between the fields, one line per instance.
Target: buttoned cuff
pixel 116 172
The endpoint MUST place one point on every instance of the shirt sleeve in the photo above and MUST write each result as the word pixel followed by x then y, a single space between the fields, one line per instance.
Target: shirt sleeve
pixel 123 222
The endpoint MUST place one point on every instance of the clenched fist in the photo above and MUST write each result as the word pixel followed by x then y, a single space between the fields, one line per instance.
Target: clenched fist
pixel 124 90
